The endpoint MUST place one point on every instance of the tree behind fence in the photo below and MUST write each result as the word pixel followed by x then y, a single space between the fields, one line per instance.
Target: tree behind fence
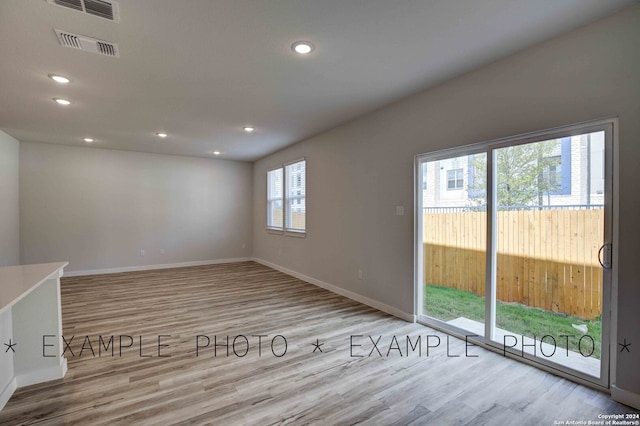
pixel 546 258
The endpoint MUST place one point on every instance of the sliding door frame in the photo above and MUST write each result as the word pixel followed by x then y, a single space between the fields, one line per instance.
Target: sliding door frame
pixel 477 148
pixel 609 290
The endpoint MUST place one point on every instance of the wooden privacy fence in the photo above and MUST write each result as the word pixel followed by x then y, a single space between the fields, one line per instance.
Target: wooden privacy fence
pixel 298 219
pixel 546 258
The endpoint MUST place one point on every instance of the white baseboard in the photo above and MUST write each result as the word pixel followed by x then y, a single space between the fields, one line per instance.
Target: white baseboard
pixel 341 291
pixel 6 393
pixel 626 397
pixel 152 267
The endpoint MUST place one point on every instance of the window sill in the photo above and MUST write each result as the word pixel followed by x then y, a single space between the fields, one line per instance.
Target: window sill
pixel 296 234
pixel 275 231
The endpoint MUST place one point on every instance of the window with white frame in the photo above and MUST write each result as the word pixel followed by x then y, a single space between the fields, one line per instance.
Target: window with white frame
pixel 275 205
pixel 455 179
pixel 295 200
pixel 286 197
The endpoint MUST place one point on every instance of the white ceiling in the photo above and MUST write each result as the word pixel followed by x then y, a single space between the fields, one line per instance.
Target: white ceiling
pixel 202 69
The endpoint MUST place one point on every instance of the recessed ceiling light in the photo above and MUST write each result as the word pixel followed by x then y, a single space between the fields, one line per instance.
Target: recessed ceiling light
pixel 302 47
pixel 62 101
pixel 88 140
pixel 59 78
pixel 248 129
pixel 215 152
pixel 162 135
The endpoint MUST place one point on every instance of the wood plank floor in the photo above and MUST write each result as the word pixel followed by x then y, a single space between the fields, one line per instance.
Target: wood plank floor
pixel 340 385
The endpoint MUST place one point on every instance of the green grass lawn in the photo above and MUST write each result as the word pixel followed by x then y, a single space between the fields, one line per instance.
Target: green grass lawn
pixel 447 303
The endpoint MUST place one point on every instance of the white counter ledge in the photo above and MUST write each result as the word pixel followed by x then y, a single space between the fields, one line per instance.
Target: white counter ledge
pixel 18 281
pixel 30 326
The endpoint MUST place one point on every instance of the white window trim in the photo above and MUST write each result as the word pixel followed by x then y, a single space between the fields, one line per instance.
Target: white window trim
pixel 455 179
pixel 275 229
pixel 294 233
pixel 297 233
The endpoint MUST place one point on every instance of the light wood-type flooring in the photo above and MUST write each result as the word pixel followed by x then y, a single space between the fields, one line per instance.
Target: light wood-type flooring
pixel 343 384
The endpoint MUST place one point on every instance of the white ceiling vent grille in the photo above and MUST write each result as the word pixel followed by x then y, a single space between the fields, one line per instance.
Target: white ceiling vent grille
pixel 73 4
pixel 87 44
pixel 107 9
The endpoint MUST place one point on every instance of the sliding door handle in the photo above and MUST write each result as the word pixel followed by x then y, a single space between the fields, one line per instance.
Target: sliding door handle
pixel 604 256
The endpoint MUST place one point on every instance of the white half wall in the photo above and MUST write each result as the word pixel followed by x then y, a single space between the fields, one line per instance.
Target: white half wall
pixel 9 201
pixel 359 172
pixel 98 208
pixel 7 379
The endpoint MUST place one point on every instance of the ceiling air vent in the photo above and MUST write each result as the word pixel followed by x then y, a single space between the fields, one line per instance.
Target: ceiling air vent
pixel 69 40
pixel 73 4
pixel 87 44
pixel 104 9
pixel 107 9
pixel 106 49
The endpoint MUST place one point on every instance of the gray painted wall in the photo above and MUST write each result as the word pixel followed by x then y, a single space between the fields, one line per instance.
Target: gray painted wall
pixel 98 208
pixel 9 201
pixel 358 172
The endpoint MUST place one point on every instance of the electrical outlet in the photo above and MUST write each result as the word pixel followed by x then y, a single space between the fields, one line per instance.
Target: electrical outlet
pixel 399 210
pixel 161 251
pixel 360 274
pixel 142 253
pixel 244 245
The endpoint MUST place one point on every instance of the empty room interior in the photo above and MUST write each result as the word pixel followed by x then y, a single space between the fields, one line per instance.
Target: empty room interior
pixel 319 212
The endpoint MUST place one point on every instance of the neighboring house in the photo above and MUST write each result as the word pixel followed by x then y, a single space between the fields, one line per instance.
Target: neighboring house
pixel 577 174
pixel 296 187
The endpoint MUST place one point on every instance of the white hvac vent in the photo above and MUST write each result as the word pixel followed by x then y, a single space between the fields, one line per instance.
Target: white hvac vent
pixel 87 44
pixel 102 8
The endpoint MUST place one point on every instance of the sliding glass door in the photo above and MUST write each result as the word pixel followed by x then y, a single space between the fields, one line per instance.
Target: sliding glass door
pixel 514 246
pixel 454 230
